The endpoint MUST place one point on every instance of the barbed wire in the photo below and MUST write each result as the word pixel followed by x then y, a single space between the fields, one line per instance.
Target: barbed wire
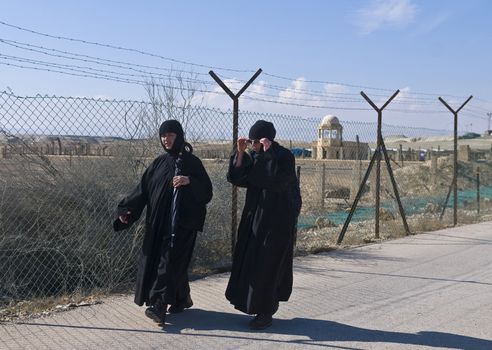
pixel 413 99
pixel 97 60
pixel 328 82
pixel 143 83
pixel 326 96
pixel 314 92
pixel 359 86
pixel 58 37
pixel 148 77
pixel 117 76
pixel 80 73
pixel 109 78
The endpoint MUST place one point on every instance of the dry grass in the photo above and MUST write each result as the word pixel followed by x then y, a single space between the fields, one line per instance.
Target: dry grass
pixel 46 306
pixel 57 244
pixel 313 240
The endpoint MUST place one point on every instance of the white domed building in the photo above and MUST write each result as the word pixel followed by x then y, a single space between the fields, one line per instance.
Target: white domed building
pixel 330 143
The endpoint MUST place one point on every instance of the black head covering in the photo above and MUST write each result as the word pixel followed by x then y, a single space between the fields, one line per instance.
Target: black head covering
pixel 262 129
pixel 173 126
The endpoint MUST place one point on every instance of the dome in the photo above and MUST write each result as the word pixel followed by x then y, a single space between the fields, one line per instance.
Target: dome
pixel 330 122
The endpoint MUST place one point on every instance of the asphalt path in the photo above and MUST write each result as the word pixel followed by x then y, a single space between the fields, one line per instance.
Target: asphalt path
pixel 427 291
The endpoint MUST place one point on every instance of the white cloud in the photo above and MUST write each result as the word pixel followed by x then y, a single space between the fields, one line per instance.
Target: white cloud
pixel 298 98
pixel 385 13
pixel 258 87
pixel 300 93
pixel 294 91
pixel 218 98
pixel 405 100
pixel 335 89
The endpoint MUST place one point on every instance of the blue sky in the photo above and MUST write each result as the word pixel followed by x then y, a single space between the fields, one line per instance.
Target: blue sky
pixel 424 48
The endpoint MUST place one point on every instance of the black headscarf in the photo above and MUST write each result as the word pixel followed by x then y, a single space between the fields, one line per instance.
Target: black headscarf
pixel 262 129
pixel 175 127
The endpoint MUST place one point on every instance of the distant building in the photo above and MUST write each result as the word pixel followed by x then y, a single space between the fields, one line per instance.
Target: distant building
pixel 330 143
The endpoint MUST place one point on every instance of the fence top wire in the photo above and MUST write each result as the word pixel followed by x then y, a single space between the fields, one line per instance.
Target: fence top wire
pixel 311 123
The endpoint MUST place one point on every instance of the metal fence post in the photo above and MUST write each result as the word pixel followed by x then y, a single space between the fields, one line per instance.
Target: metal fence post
pixel 478 191
pixel 235 128
pixel 401 156
pixel 378 153
pixel 359 161
pixel 323 184
pixel 454 184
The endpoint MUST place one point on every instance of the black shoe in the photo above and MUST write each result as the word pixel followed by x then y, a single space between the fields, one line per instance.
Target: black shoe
pixel 261 321
pixel 157 312
pixel 179 307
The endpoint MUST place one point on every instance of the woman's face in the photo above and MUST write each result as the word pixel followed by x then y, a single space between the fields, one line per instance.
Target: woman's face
pixel 255 145
pixel 168 139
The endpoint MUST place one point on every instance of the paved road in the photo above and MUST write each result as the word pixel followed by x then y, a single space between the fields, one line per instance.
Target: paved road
pixel 429 291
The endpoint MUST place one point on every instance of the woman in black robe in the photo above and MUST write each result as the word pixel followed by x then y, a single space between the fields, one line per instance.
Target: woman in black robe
pixel 261 273
pixel 162 277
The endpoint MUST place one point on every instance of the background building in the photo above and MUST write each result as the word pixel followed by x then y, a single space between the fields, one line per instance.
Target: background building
pixel 330 143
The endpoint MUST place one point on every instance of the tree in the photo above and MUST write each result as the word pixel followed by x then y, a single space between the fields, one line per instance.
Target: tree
pixel 176 97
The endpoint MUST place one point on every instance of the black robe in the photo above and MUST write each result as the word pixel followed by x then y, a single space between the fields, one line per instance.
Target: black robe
pixel 162 270
pixel 261 273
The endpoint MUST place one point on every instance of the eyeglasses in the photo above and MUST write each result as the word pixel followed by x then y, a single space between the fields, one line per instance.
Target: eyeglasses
pixel 254 142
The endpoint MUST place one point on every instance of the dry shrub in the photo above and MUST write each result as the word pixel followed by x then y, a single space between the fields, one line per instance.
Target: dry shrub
pixel 56 236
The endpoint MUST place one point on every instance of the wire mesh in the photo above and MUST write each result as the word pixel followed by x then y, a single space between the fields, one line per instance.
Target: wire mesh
pixel 66 162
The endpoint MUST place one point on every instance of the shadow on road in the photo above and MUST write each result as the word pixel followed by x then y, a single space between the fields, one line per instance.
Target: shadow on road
pixel 311 331
pixel 307 331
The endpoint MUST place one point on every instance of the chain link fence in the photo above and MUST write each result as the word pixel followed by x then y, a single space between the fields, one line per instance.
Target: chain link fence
pixel 66 162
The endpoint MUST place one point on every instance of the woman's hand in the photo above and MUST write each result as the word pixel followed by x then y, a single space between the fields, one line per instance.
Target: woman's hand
pixel 266 143
pixel 179 181
pixel 242 144
pixel 125 217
